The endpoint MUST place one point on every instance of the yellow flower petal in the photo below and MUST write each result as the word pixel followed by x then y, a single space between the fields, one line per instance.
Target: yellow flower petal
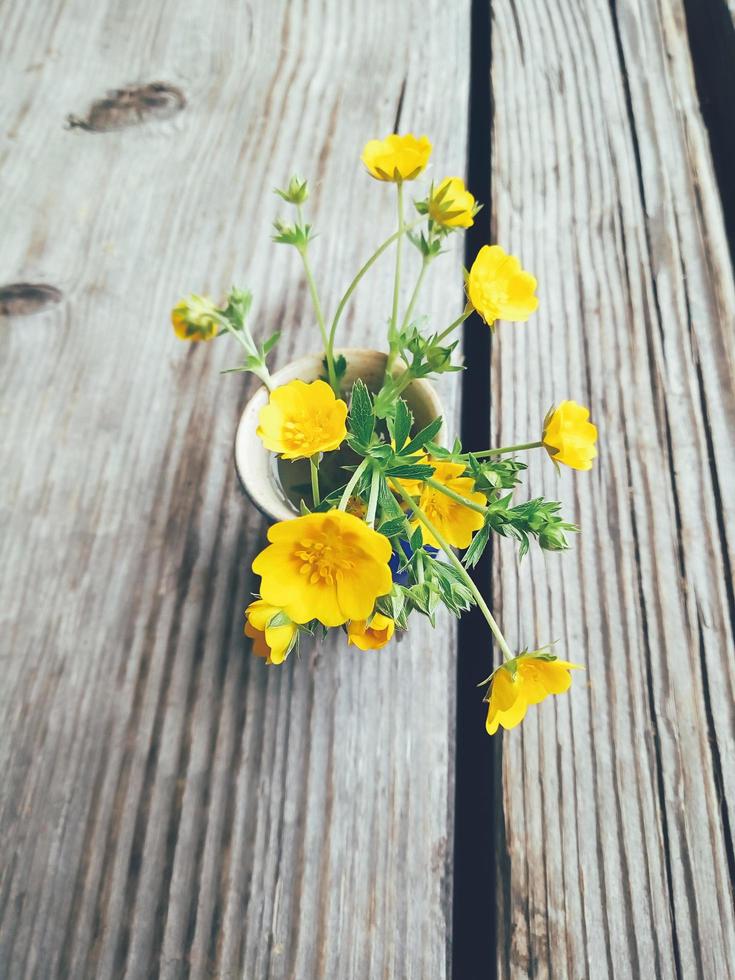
pixel 452 520
pixel 272 642
pixel 569 437
pixel 328 566
pixel 195 318
pixel 302 419
pixel 451 204
pixel 396 158
pixel 497 287
pixel 526 680
pixel 370 637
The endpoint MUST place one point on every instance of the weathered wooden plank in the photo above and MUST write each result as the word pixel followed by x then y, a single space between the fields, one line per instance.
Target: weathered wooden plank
pixel 616 852
pixel 168 805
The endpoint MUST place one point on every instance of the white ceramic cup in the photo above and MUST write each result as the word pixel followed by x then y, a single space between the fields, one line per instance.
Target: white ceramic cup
pixel 256 466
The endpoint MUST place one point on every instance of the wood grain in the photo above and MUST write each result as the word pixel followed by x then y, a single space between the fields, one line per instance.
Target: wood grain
pixel 616 853
pixel 169 806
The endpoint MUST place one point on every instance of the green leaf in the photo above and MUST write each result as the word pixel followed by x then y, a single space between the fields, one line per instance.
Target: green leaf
pixel 270 343
pixel 393 527
pixel 410 471
pixel 380 451
pixel 477 546
pixel 362 420
pixel 402 424
pixel 388 504
pixel 424 436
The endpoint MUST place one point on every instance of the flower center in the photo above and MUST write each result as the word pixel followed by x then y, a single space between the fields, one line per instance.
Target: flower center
pixel 305 431
pixel 322 563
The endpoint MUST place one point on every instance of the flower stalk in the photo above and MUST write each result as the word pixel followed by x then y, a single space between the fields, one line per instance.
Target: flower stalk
pixel 503 450
pixel 314 468
pixel 364 268
pixel 373 499
pixel 462 571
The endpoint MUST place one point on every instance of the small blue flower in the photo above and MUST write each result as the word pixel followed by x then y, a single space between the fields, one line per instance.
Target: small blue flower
pixel 401 577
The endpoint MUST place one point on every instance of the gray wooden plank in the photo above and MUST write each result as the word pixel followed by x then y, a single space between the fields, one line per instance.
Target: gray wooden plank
pixel 615 856
pixel 169 805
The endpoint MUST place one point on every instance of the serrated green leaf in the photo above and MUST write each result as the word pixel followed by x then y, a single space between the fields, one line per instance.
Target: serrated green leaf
pixel 410 471
pixel 271 342
pixel 362 420
pixel 477 546
pixel 402 424
pixel 424 436
pixel 393 527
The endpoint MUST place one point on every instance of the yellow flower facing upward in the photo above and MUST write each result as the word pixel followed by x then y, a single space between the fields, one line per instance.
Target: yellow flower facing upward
pixel 372 637
pixel 329 566
pixel 525 680
pixel 569 437
pixel 452 205
pixel 274 643
pixel 302 419
pixel 396 158
pixel 453 520
pixel 195 318
pixel 498 288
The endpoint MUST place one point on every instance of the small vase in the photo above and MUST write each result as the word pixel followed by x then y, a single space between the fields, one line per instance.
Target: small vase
pixel 257 467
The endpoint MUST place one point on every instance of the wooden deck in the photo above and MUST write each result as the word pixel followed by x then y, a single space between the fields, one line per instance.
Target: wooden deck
pixel 170 807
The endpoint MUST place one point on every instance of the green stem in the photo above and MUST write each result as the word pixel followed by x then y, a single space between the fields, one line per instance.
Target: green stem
pixel 351 484
pixel 416 290
pixel 314 466
pixel 399 248
pixel 510 449
pixel 449 552
pixel 261 371
pixel 455 496
pixel 452 326
pixel 328 352
pixel 373 500
pixel 363 269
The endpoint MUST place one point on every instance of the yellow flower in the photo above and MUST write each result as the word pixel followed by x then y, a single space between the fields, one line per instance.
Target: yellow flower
pixel 195 318
pixel 272 642
pixel 302 419
pixel 497 287
pixel 454 521
pixel 569 437
pixel 330 566
pixel 372 637
pixel 452 205
pixel 527 679
pixel 396 158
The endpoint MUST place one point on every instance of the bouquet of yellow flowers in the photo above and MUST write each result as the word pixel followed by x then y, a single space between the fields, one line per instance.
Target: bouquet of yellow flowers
pixel 382 506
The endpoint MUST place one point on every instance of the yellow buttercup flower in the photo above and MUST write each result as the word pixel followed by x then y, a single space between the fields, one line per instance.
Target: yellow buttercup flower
pixel 195 318
pixel 302 419
pixel 454 521
pixel 372 637
pixel 452 205
pixel 274 643
pixel 330 566
pixel 527 679
pixel 497 287
pixel 396 158
pixel 569 437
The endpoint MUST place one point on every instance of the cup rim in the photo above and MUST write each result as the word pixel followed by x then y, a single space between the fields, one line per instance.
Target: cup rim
pixel 276 509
